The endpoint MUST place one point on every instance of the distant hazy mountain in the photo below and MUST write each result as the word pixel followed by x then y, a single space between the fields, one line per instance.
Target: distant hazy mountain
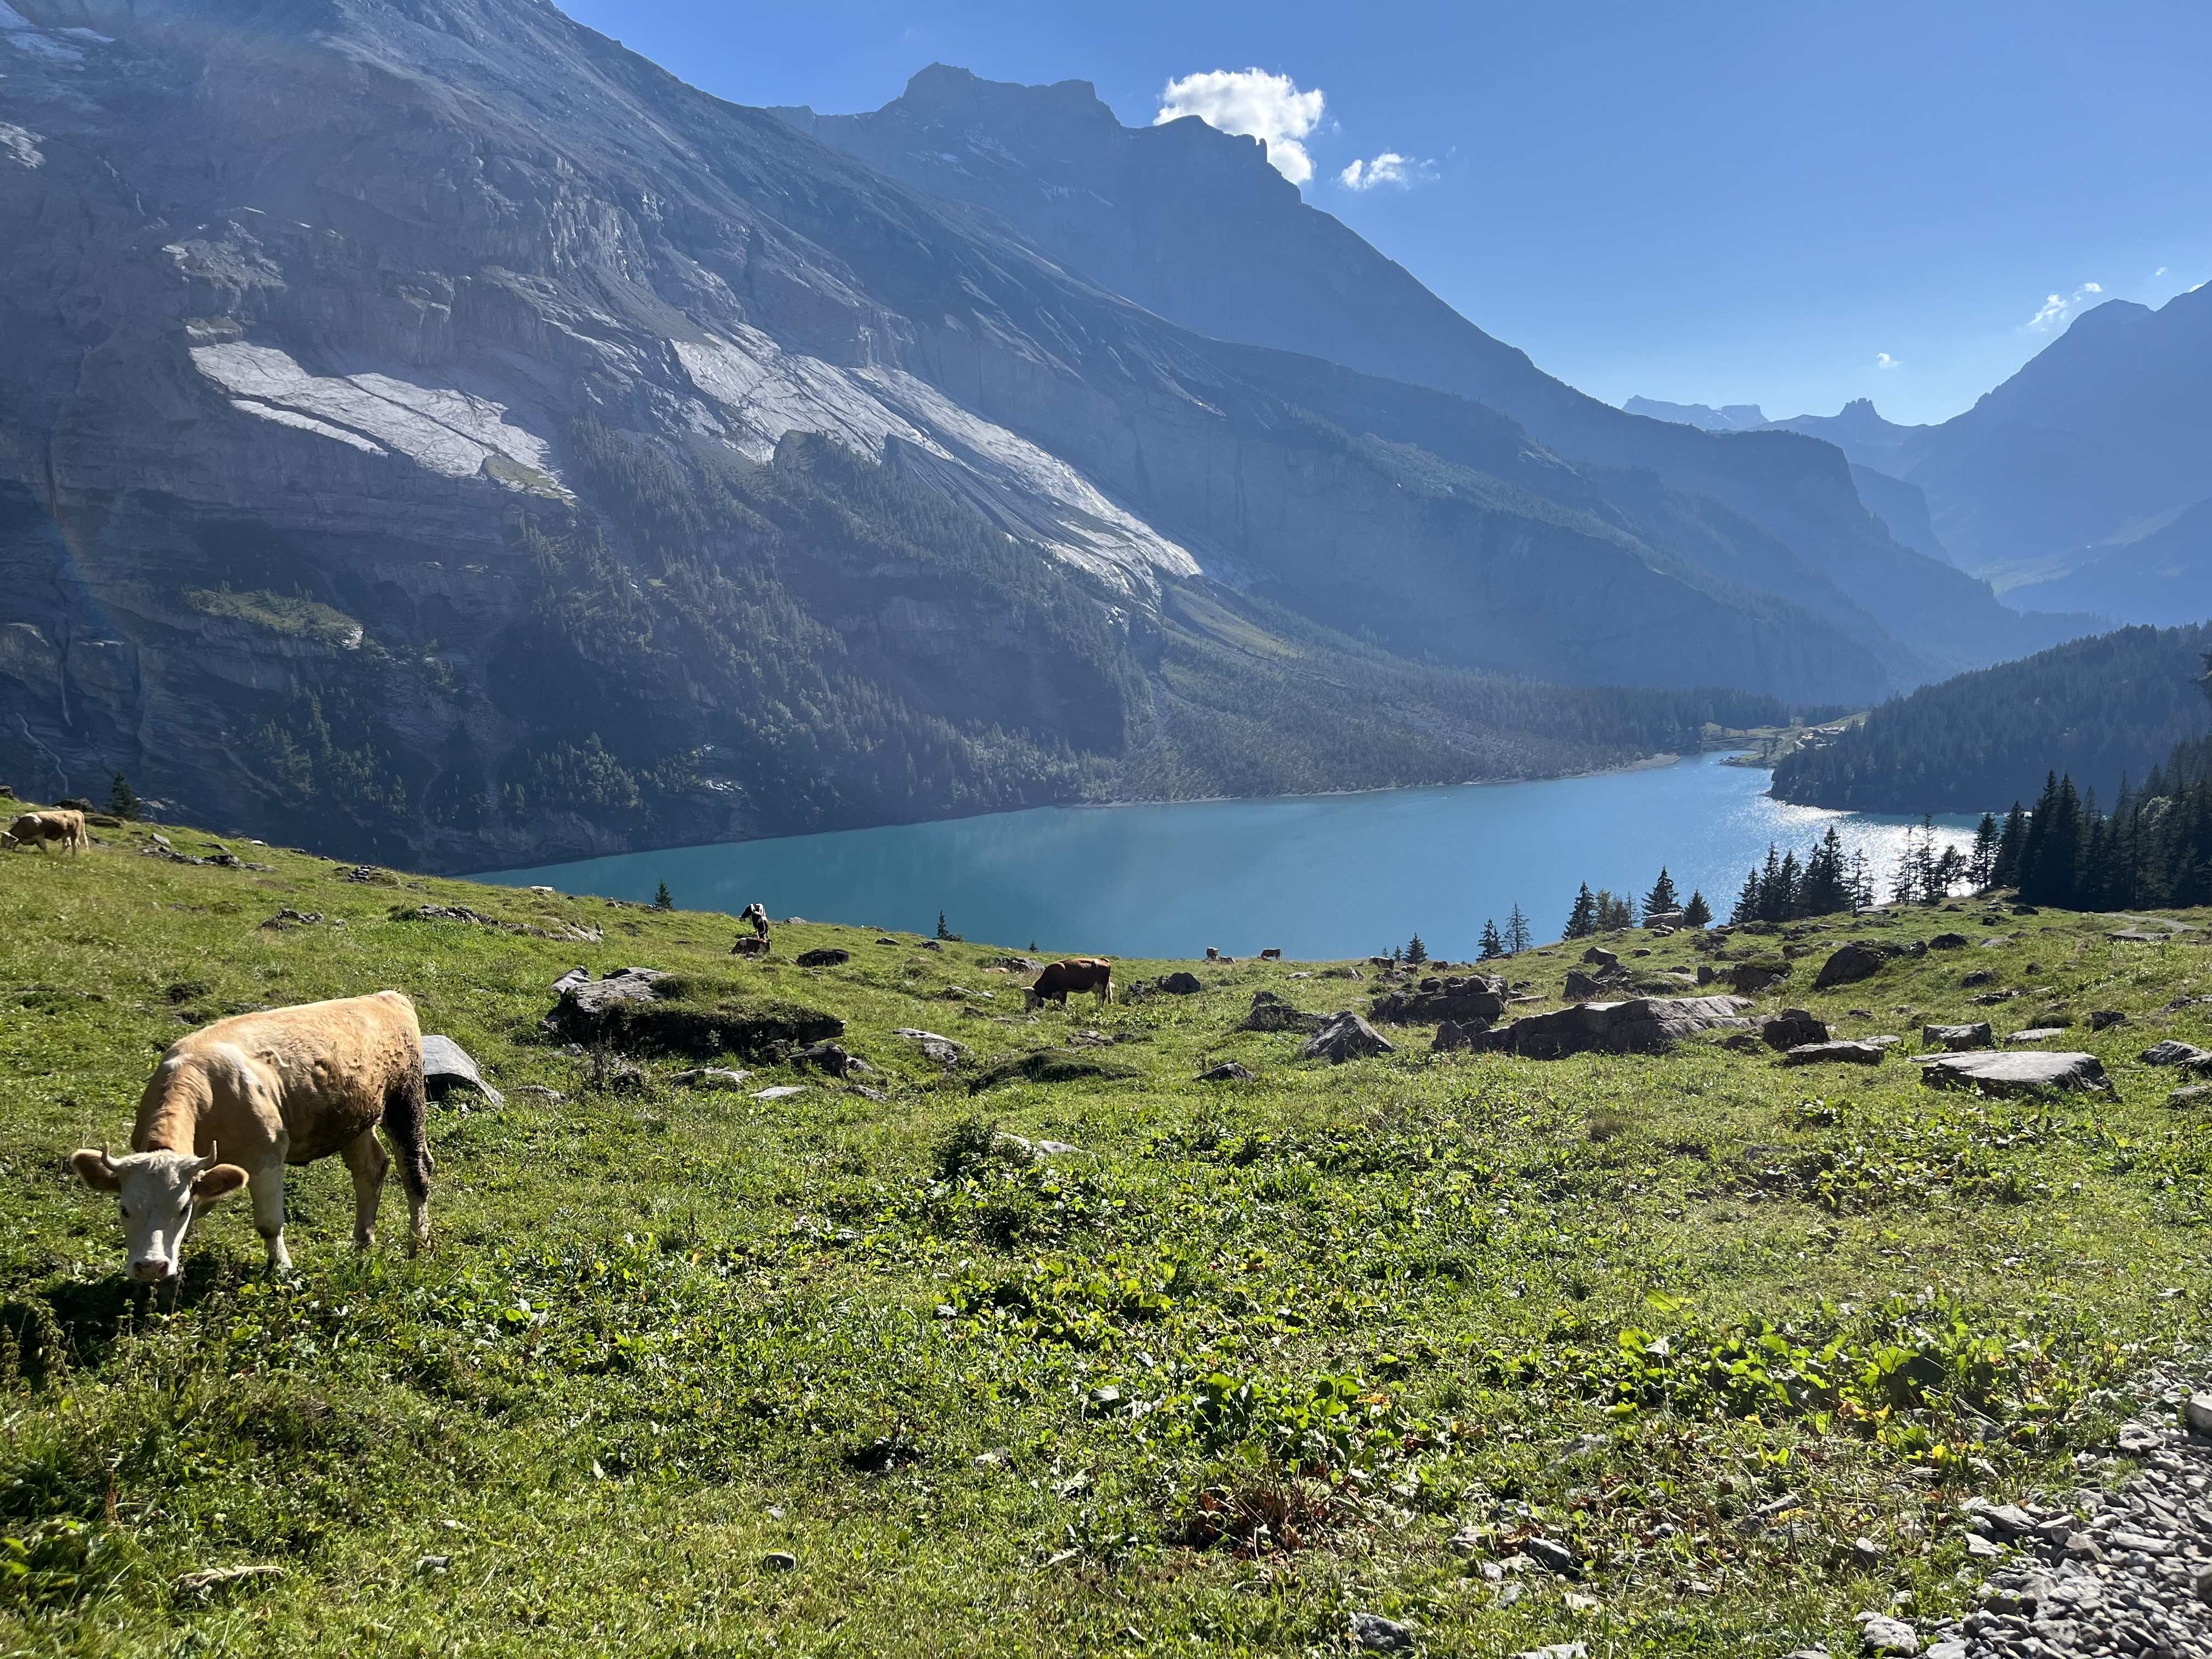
pixel 2083 483
pixel 1733 418
pixel 1194 224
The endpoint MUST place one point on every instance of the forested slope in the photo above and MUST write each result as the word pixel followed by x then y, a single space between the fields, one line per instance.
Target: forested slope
pixel 2099 710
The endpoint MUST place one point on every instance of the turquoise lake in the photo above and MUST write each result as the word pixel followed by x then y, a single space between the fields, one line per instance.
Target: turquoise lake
pixel 1315 876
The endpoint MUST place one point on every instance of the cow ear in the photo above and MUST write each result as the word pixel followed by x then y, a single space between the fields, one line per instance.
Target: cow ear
pixel 95 1170
pixel 220 1182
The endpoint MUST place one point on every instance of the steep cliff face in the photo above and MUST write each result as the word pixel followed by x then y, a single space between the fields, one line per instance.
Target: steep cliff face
pixel 435 432
pixel 1195 225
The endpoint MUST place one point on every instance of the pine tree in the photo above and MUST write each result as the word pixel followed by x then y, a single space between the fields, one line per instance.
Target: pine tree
pixel 1826 888
pixel 122 800
pixel 1519 936
pixel 1662 897
pixel 1981 862
pixel 1416 952
pixel 1861 880
pixel 661 901
pixel 1697 913
pixel 2012 845
pixel 943 931
pixel 1582 920
pixel 1613 912
pixel 1493 946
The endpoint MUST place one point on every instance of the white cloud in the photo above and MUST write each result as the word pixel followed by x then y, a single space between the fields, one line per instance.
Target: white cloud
pixel 1883 359
pixel 1387 168
pixel 1255 104
pixel 2058 309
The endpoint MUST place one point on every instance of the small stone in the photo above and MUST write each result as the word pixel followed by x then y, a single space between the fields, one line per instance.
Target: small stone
pixel 1865 1553
pixel 779 1561
pixel 710 1077
pixel 1228 1072
pixel 1951 1648
pixel 2101 1019
pixel 1886 1635
pixel 1979 1548
pixel 2197 1411
pixel 1550 1553
pixel 2008 1520
pixel 1562 1650
pixel 780 1091
pixel 433 1563
pixel 2188 1096
pixel 1376 1634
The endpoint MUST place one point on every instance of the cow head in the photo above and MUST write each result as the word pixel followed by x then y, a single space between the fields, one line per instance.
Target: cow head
pixel 161 1192
pixel 1030 999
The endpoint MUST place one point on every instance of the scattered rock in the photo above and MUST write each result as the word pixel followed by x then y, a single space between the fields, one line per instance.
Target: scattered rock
pixel 2185 1099
pixel 710 1077
pixel 1346 1037
pixel 1791 1029
pixel 829 1057
pixel 1550 1553
pixel 1979 1548
pixel 2197 1410
pixel 2038 1033
pixel 1750 978
pixel 828 955
pixel 1597 955
pixel 1271 1013
pixel 751 945
pixel 1949 942
pixel 1181 983
pixel 1469 999
pixel 1866 1554
pixel 1996 941
pixel 2103 1018
pixel 552 1097
pixel 446 1066
pixel 207 1580
pixel 1642 1026
pixel 1979 976
pixel 1452 1037
pixel 2173 1052
pixel 1852 962
pixel 644 1011
pixel 1585 987
pixel 1822 1054
pixel 1882 1634
pixel 1228 1072
pixel 932 945
pixel 2002 1073
pixel 2137 936
pixel 1958 1038
pixel 779 1561
pixel 780 1091
pixel 1376 1634
pixel 942 1050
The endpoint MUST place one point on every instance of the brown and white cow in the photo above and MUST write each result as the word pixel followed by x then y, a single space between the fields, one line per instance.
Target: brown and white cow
pixel 1092 973
pixel 53 825
pixel 261 1090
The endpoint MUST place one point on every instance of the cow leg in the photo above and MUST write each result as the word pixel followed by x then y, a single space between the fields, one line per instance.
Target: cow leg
pixel 365 1156
pixel 405 1107
pixel 267 1190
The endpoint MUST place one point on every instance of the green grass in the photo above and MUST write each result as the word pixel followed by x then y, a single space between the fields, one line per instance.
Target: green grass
pixel 1243 1366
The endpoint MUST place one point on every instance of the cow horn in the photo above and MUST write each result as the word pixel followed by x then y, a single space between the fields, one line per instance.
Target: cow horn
pixel 107 1163
pixel 209 1162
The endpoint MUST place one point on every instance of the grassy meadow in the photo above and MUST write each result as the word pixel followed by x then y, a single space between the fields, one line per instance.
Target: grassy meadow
pixel 686 1371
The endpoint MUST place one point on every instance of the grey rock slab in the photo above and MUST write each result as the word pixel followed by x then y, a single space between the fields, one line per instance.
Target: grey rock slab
pixel 1376 1634
pixel 710 1077
pixel 1228 1072
pixel 2003 1073
pixel 1958 1038
pixel 2174 1051
pixel 1550 1554
pixel 1886 1635
pixel 1642 1026
pixel 2036 1034
pixel 2188 1097
pixel 2197 1410
pixel 779 1091
pixel 942 1050
pixel 445 1063
pixel 1821 1053
pixel 1347 1036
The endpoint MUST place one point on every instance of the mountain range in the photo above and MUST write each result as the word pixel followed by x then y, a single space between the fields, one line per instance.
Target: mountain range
pixel 433 430
pixel 2083 483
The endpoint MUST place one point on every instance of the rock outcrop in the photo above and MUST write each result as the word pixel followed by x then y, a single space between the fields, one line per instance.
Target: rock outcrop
pixel 1645 1025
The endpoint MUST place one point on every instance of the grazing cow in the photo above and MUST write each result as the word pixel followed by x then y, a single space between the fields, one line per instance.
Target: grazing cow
pixel 261 1090
pixel 1092 973
pixel 39 827
pixel 756 914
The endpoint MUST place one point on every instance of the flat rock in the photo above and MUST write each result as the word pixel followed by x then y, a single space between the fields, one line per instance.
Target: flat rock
pixel 1642 1026
pixel 1793 1028
pixel 1346 1037
pixel 1850 963
pixel 1271 1013
pixel 780 1091
pixel 1228 1072
pixel 2137 936
pixel 2001 1073
pixel 1886 1635
pixel 2103 1018
pixel 1468 998
pixel 2038 1033
pixel 710 1077
pixel 1949 942
pixel 1958 1038
pixel 1822 1054
pixel 446 1064
pixel 1180 984
pixel 942 1050
pixel 2189 1098
pixel 2197 1411
pixel 828 955
pixel 1376 1634
pixel 1749 978
pixel 2174 1051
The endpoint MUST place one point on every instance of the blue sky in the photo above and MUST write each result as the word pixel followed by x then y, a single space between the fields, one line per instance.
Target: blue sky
pixel 1784 204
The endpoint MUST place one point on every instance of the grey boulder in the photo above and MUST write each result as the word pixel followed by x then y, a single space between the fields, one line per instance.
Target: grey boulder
pixel 1999 1073
pixel 1228 1072
pixel 1822 1054
pixel 1644 1025
pixel 2174 1051
pixel 1958 1038
pixel 1791 1028
pixel 445 1065
pixel 1849 964
pixel 1347 1036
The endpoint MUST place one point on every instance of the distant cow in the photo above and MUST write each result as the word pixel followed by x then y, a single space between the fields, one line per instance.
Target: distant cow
pixel 261 1090
pixel 36 828
pixel 1092 973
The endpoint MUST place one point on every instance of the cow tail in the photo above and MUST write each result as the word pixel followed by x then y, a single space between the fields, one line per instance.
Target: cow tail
pixel 405 1113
